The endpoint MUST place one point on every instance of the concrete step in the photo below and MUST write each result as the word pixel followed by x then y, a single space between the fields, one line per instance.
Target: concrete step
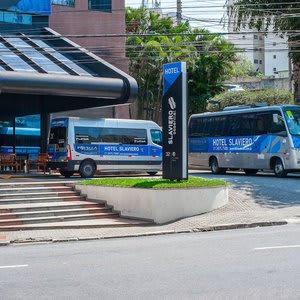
pixel 94 223
pixel 42 194
pixel 56 212
pixel 16 221
pixel 34 184
pixel 31 207
pixel 17 190
pixel 40 200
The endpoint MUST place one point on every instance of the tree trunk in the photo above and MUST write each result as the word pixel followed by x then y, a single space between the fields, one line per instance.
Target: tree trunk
pixel 296 80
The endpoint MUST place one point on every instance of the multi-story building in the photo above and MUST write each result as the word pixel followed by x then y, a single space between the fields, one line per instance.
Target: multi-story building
pixel 268 52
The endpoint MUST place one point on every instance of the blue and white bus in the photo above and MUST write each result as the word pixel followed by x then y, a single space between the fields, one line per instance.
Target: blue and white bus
pixel 249 138
pixel 85 146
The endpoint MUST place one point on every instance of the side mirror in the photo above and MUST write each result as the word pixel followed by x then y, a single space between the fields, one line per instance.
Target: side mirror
pixel 275 118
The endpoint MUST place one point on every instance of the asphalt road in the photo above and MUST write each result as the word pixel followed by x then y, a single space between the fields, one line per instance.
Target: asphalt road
pixel 258 263
pixel 264 188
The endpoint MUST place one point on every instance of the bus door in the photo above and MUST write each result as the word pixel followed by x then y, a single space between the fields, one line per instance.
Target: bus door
pixel 133 148
pixel 262 140
pixel 58 146
pixel 279 142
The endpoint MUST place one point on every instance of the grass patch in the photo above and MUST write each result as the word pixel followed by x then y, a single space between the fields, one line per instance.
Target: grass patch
pixel 155 183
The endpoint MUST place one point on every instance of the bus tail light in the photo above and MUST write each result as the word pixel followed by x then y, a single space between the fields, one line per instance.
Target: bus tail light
pixel 69 153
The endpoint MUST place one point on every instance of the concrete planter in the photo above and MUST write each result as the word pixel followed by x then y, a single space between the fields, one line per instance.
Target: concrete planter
pixel 158 205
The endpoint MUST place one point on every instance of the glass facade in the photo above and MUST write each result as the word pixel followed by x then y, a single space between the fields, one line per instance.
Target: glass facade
pixel 27 138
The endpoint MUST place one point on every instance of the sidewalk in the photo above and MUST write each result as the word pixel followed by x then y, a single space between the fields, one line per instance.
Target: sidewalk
pixel 241 211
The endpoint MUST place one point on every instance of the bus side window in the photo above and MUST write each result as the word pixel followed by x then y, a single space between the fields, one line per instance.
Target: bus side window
pixel 247 124
pixel 196 127
pixel 218 126
pixel 233 125
pixel 206 126
pixel 131 136
pixel 262 123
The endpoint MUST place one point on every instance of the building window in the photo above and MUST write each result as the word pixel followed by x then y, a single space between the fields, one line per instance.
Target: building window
pixel 102 5
pixel 255 36
pixel 244 36
pixel 64 2
pixel 256 61
pixel 274 43
pixel 274 56
pixel 274 69
pixel 255 49
pixel 260 37
pixel 260 62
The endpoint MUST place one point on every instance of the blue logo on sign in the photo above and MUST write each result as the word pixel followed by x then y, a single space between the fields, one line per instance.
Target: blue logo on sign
pixel 87 149
pixel 171 73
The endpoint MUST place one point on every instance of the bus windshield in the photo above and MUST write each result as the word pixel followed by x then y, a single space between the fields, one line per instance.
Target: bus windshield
pixel 292 117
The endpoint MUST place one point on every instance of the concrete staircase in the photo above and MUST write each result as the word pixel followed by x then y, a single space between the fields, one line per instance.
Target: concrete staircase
pixel 32 206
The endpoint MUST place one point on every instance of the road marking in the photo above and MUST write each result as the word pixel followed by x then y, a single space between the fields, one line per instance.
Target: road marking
pixel 13 266
pixel 277 247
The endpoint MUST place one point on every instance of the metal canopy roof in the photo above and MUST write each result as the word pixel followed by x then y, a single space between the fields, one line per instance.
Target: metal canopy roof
pixel 51 74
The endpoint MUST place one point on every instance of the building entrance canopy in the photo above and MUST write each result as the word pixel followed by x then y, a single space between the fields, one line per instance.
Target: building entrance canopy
pixel 49 73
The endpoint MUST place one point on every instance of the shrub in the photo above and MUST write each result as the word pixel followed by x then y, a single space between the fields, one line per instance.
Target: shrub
pixel 271 97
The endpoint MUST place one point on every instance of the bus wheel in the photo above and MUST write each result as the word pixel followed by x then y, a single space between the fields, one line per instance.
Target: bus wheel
pixel 67 174
pixel 250 171
pixel 152 173
pixel 214 166
pixel 87 169
pixel 279 169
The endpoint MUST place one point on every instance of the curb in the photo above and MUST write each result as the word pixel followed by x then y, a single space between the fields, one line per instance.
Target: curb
pixel 4 241
pixel 151 233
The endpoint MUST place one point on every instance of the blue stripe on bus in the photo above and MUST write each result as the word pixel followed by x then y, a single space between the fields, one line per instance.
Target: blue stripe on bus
pixel 244 144
pixel 112 149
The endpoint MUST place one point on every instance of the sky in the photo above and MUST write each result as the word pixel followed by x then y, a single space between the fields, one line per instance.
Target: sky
pixel 201 13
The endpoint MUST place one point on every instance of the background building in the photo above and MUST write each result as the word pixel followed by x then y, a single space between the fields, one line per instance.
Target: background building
pixel 90 18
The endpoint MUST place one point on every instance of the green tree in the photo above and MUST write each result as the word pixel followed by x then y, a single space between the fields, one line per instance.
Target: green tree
pixel 148 50
pixel 279 15
pixel 154 40
pixel 242 67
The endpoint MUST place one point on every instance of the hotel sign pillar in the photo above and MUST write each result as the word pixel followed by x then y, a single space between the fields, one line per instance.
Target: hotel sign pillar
pixel 174 121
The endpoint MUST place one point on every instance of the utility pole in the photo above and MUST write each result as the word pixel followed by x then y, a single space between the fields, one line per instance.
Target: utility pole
pixel 179 12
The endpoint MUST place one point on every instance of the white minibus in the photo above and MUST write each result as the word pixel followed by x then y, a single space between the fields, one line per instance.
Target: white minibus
pixel 85 146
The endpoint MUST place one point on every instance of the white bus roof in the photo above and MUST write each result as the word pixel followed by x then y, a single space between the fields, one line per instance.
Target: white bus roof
pixel 245 110
pixel 109 121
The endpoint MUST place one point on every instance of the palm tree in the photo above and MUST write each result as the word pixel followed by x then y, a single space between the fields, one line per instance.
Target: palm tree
pixel 280 15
